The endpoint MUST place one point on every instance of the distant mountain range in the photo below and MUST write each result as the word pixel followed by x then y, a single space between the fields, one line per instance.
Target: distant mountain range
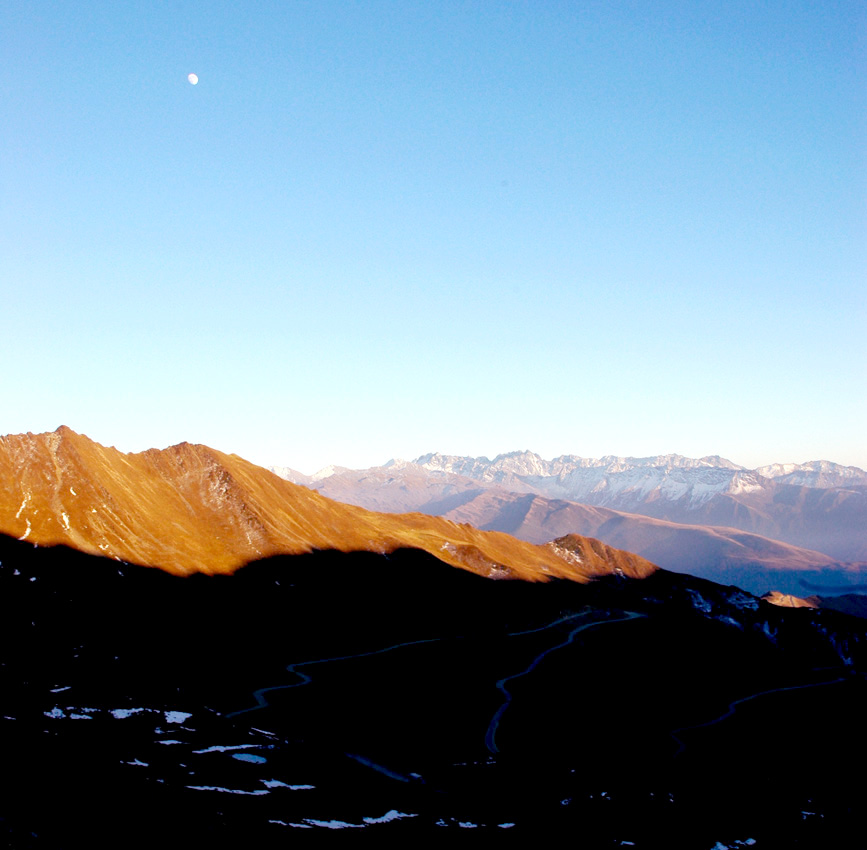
pixel 772 528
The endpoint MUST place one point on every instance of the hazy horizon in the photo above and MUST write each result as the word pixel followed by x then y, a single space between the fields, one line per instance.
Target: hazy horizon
pixel 375 230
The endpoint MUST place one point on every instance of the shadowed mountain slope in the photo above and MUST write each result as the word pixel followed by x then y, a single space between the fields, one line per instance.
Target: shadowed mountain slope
pixel 396 694
pixel 190 509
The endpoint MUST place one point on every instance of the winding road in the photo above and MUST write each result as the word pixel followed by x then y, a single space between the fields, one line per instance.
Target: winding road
pixel 490 735
pixel 732 707
pixel 260 695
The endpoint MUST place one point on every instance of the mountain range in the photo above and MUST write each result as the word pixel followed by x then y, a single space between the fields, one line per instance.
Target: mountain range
pixel 708 516
pixel 190 508
pixel 193 649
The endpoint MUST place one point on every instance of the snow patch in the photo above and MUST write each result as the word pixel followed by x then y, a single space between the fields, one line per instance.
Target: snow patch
pixel 276 783
pixel 332 824
pixel 327 472
pixel 267 734
pixel 249 757
pixel 391 815
pixel 23 505
pixel 123 713
pixel 699 602
pixel 177 716
pixel 257 793
pixel 566 554
pixel 743 600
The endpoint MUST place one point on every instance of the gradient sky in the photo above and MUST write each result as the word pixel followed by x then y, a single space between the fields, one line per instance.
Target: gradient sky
pixel 377 229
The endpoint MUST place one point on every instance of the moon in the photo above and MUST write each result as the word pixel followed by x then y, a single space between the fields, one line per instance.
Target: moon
pixel 193 79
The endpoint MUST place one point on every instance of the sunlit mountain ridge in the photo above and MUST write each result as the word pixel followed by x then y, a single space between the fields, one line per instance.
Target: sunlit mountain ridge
pixel 190 508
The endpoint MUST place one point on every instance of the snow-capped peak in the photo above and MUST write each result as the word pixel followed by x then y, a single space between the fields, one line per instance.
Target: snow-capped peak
pixel 815 473
pixel 327 472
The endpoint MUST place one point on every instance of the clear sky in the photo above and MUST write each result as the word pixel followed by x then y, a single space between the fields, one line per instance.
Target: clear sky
pixel 377 229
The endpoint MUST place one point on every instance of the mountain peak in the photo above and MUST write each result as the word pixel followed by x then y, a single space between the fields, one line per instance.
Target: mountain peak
pixel 327 472
pixel 814 473
pixel 522 454
pixel 397 463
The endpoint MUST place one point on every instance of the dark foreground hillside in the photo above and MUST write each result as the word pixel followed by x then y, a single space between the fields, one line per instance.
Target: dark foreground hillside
pixel 399 696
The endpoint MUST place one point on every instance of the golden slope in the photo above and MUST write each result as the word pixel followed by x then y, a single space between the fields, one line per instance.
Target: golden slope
pixel 786 600
pixel 190 508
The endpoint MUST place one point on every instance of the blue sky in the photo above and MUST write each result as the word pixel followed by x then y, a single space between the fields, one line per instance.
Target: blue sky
pixel 377 229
